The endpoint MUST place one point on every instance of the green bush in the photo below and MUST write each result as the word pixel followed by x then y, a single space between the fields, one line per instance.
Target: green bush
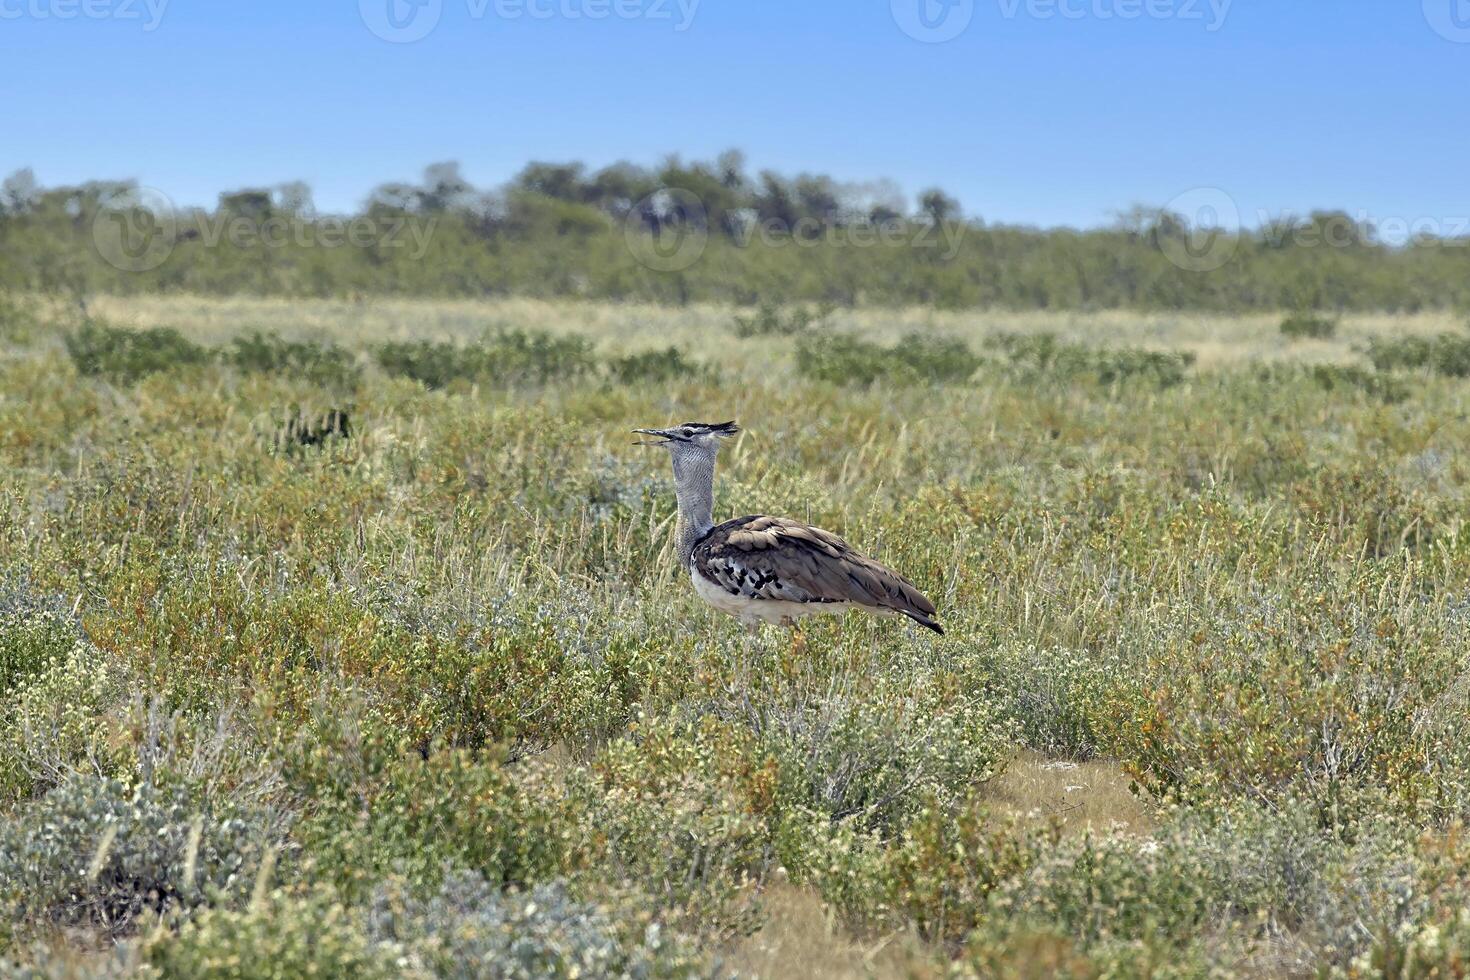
pixel 36 634
pixel 873 754
pixel 1336 377
pixel 1434 947
pixel 509 357
pixel 1063 702
pixel 1220 884
pixel 326 365
pixel 1045 355
pixel 917 359
pixel 125 356
pixel 17 318
pixel 281 936
pixel 1295 699
pixel 60 721
pixel 92 852
pixel 398 813
pixel 470 929
pixel 1308 326
pixel 654 366
pixel 688 815
pixel 943 873
pixel 1447 354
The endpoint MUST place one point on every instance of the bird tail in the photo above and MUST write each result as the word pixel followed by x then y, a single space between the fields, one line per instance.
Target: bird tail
pixel 925 621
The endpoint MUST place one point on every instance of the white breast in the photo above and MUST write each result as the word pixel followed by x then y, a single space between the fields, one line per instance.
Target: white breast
pixel 752 612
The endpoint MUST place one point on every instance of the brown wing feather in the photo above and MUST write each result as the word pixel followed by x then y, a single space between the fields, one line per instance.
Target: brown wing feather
pixel 774 558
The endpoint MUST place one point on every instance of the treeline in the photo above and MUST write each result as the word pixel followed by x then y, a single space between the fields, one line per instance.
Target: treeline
pixel 698 232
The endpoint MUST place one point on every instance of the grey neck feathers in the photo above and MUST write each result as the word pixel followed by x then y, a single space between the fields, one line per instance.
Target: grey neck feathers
pixel 694 485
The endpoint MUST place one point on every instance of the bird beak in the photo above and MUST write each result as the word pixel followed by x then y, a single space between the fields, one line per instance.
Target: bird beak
pixel 661 433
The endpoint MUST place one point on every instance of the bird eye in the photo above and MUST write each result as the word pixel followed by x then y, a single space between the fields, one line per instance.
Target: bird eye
pixel 686 432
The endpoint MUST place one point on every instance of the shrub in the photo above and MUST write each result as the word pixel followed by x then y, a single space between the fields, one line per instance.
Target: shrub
pixel 916 359
pixel 1338 377
pixel 1294 697
pixel 469 929
pixel 1063 702
pixel 1308 326
pixel 1447 354
pixel 687 815
pixel 92 852
pixel 942 874
pixel 1437 946
pixel 36 634
pixel 871 753
pixel 402 814
pixel 1045 355
pixel 57 722
pixel 279 937
pixel 654 366
pixel 125 356
pixel 509 357
pixel 769 321
pixel 16 318
pixel 434 365
pixel 1239 878
pixel 326 365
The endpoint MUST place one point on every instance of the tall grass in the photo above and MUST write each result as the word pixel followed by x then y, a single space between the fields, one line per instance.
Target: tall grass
pixel 379 704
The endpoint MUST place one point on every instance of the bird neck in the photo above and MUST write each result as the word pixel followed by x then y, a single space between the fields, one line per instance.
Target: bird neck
pixel 694 485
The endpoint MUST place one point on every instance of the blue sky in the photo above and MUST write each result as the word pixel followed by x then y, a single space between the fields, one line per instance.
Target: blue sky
pixel 1039 111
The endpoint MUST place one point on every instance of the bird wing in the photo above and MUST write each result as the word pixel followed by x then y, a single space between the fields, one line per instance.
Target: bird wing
pixel 774 558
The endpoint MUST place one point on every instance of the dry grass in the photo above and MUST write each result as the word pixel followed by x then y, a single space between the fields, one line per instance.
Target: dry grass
pixel 802 941
pixel 1084 796
pixel 1216 340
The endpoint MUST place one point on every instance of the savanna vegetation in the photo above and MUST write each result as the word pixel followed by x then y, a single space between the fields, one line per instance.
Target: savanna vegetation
pixel 712 232
pixel 344 639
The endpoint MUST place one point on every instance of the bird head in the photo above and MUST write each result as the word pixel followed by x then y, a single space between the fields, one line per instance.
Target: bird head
pixel 702 437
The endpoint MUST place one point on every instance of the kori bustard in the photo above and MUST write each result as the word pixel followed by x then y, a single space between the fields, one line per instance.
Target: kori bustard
pixel 769 569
